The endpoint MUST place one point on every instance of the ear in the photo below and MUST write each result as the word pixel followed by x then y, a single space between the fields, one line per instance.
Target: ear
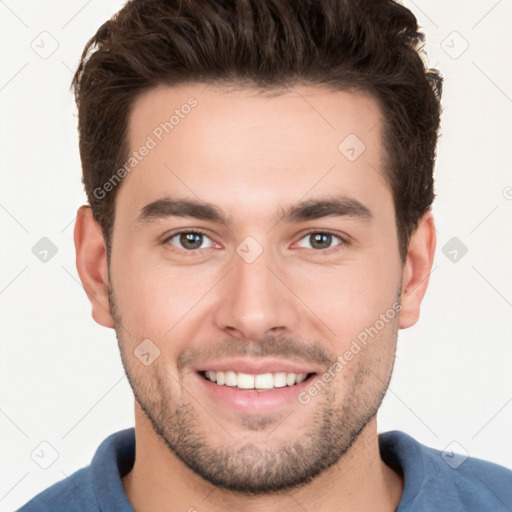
pixel 91 263
pixel 417 268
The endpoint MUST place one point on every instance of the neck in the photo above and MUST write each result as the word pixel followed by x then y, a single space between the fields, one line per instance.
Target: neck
pixel 360 480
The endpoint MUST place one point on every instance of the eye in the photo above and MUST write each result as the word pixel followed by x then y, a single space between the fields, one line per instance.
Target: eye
pixel 321 240
pixel 189 240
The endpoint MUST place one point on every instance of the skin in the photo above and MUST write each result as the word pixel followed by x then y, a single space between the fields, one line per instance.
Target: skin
pixel 251 155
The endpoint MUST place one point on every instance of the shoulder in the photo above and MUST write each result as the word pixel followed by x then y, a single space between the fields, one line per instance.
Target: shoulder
pixel 445 480
pixel 76 489
pixel 95 487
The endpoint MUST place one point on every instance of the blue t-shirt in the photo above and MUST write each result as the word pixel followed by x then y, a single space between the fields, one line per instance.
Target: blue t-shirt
pixel 433 480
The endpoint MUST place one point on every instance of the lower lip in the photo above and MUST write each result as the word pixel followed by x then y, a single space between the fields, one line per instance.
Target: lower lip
pixel 252 401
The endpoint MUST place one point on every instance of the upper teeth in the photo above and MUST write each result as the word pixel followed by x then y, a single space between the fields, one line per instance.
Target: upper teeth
pixel 261 381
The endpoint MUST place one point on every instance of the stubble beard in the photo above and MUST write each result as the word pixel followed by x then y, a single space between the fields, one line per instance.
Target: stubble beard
pixel 250 469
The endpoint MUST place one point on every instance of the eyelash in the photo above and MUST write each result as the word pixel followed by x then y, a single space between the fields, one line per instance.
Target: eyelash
pixel 185 231
pixel 344 241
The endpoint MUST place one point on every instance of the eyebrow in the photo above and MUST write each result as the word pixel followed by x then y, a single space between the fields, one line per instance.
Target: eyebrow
pixel 303 211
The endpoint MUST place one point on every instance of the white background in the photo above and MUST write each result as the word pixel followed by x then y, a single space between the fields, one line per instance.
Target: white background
pixel 61 377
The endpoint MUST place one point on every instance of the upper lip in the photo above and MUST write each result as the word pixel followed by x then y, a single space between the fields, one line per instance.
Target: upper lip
pixel 257 366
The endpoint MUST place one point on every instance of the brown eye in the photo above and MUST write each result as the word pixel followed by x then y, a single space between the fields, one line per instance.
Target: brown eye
pixel 188 240
pixel 320 240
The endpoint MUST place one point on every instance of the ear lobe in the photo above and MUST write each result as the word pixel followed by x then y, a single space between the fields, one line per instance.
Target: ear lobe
pixel 91 263
pixel 417 269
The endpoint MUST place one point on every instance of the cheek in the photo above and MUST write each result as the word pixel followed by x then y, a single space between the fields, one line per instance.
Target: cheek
pixel 155 300
pixel 350 298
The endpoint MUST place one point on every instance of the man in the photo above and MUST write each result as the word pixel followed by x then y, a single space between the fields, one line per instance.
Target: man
pixel 259 178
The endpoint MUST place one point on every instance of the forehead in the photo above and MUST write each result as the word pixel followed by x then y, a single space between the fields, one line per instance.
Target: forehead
pixel 243 149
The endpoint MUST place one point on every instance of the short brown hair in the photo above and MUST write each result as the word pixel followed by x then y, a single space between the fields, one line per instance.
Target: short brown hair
pixel 362 45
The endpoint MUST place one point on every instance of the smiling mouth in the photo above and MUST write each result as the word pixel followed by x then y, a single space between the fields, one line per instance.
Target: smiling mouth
pixel 259 382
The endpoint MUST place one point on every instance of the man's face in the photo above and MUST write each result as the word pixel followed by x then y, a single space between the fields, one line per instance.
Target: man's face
pixel 259 292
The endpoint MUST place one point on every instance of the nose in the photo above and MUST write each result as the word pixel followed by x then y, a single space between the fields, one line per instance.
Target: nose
pixel 257 299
